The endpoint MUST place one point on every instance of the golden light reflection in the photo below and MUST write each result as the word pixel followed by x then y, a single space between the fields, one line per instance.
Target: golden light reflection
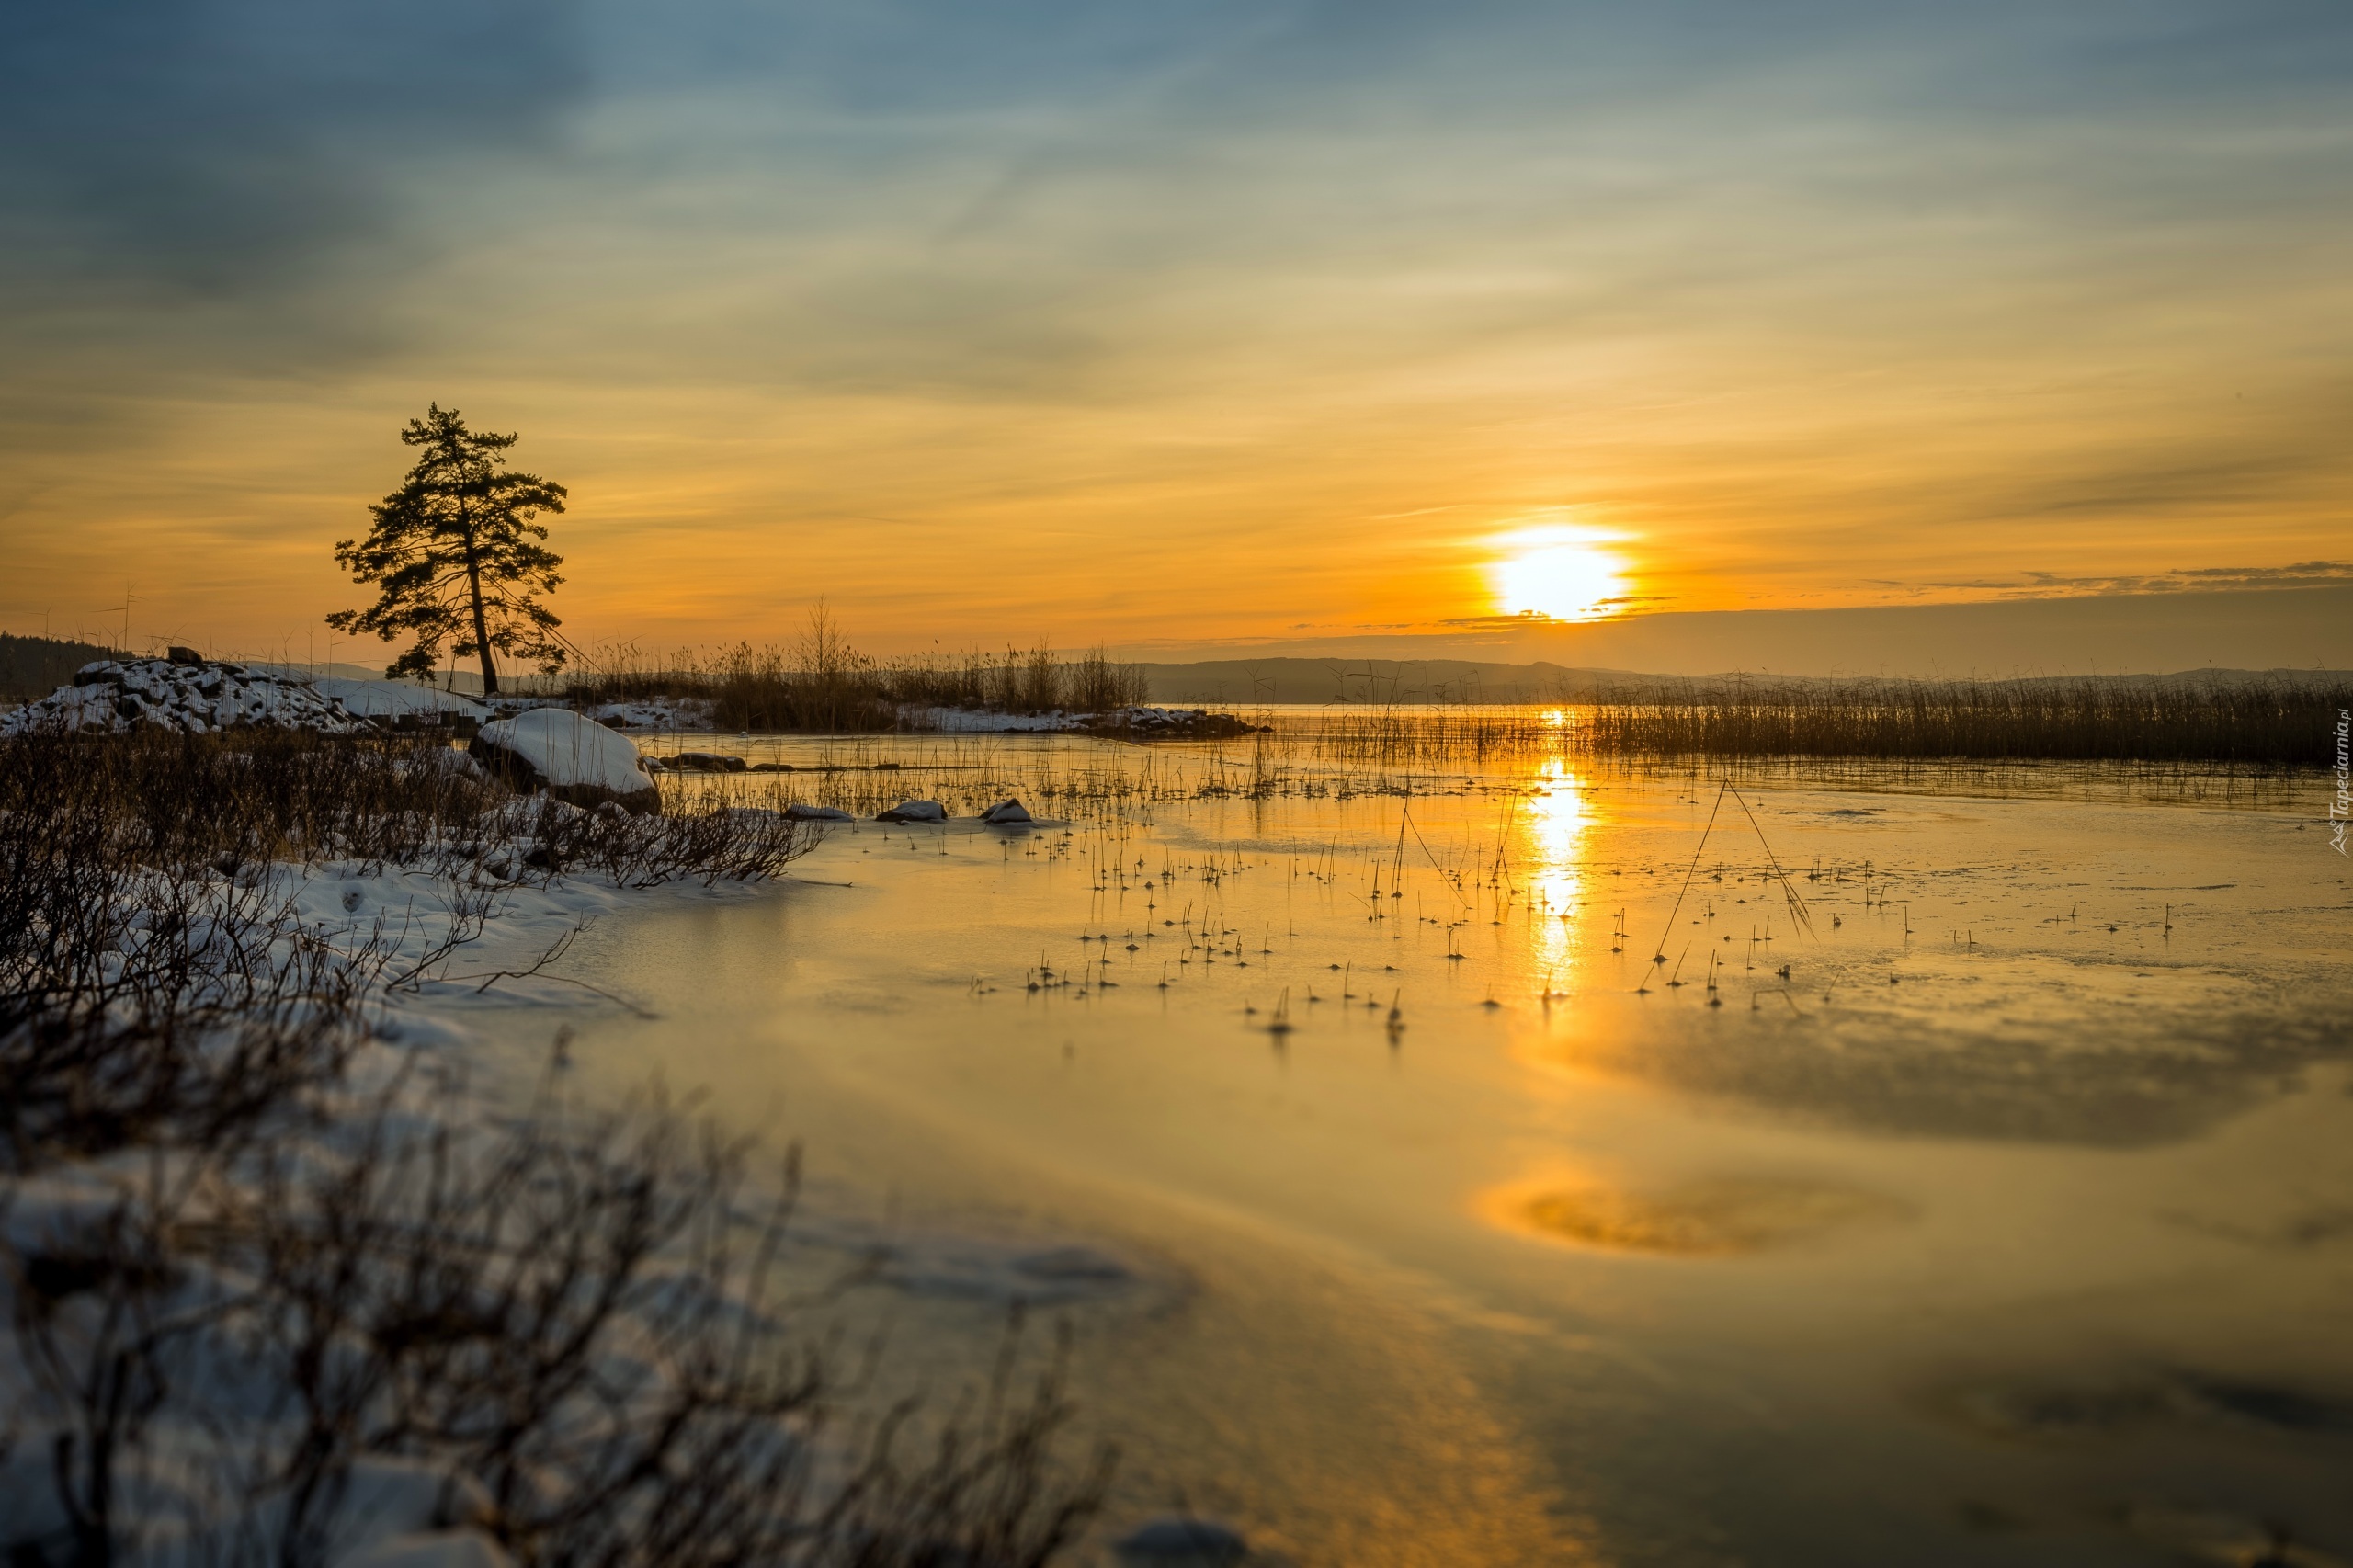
pixel 1696 1216
pixel 1555 854
pixel 1558 573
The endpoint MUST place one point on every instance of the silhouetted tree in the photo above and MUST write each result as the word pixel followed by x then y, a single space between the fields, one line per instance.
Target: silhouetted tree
pixel 454 549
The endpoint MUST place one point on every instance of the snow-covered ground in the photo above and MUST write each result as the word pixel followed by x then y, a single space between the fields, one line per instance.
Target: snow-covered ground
pixel 393 699
pixel 681 713
pixel 424 938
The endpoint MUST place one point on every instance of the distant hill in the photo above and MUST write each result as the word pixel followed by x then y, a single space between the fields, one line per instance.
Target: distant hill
pixel 35 666
pixel 1291 680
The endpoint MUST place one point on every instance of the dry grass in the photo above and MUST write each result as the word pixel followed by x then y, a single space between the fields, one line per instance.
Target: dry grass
pixel 2256 721
pixel 2259 721
pixel 820 684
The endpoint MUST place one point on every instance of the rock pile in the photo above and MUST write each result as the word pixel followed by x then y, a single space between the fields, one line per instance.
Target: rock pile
pixel 189 694
pixel 192 695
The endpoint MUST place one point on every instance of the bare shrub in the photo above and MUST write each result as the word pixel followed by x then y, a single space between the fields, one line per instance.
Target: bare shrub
pixel 141 1000
pixel 571 1317
pixel 570 1314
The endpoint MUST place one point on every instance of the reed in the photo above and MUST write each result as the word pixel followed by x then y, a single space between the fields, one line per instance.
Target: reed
pixel 2268 720
pixel 2265 721
pixel 818 682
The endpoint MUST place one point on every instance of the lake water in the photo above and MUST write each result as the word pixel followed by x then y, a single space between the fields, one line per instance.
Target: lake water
pixel 1978 1189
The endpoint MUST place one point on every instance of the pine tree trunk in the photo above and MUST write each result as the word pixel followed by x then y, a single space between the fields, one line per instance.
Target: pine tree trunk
pixel 481 624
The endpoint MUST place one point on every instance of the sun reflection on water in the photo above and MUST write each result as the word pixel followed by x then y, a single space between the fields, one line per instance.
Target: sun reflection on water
pixel 1555 854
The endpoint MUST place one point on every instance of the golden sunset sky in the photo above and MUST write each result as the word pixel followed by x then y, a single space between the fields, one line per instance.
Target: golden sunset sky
pixel 1178 326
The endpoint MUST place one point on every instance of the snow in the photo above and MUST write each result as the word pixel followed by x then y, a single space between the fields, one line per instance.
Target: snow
pixel 395 1513
pixel 655 713
pixel 393 699
pixel 567 749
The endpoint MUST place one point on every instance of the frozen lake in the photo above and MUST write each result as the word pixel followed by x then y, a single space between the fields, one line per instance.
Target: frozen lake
pixel 1408 1211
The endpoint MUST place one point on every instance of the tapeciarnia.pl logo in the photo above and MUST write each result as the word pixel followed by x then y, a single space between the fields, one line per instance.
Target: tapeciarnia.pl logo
pixel 2337 809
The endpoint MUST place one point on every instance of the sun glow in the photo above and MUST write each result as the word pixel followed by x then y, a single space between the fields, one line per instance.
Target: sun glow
pixel 1557 575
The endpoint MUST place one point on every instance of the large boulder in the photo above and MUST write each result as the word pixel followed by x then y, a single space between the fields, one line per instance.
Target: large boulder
pixel 573 758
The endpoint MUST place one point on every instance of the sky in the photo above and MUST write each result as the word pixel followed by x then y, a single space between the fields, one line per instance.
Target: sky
pixel 1183 326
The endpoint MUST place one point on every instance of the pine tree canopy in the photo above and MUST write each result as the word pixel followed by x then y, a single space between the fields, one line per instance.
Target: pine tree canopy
pixel 458 556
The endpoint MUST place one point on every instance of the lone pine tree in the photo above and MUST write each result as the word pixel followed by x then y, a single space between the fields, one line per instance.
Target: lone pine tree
pixel 457 555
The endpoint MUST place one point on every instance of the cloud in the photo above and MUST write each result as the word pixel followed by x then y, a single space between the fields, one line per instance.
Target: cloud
pixel 2302 574
pixel 1272 301
pixel 160 152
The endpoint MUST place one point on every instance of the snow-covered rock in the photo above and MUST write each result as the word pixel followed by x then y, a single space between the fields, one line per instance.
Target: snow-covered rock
pixel 119 695
pixel 573 758
pixel 1141 723
pixel 798 812
pixel 196 696
pixel 914 811
pixel 1006 813
pixel 1138 722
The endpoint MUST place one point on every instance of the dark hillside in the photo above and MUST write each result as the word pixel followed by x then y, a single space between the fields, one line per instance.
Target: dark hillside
pixel 35 666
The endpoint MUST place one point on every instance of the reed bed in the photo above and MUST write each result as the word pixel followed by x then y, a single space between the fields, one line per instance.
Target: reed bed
pixel 2270 721
pixel 2261 722
pixel 818 682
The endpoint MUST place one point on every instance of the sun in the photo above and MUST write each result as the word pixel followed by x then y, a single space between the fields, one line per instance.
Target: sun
pixel 1557 574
